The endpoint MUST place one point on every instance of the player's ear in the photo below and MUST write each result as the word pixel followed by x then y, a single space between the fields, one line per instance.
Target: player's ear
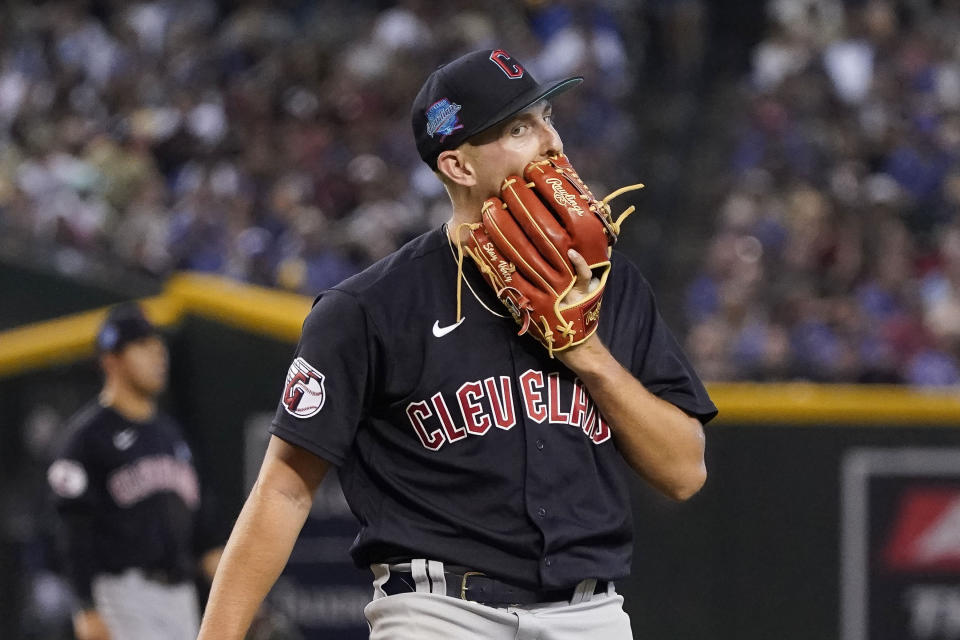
pixel 456 166
pixel 108 361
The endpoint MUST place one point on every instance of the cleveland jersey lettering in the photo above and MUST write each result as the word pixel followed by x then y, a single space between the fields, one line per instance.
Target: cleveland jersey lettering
pixel 482 404
pixel 150 475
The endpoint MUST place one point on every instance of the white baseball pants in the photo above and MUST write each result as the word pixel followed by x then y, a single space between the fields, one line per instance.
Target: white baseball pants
pixel 135 608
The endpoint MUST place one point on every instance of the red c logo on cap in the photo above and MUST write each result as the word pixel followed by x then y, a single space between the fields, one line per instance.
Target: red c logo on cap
pixel 503 60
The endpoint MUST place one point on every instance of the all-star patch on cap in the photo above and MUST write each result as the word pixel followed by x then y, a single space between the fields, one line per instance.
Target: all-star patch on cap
pixel 471 94
pixel 125 323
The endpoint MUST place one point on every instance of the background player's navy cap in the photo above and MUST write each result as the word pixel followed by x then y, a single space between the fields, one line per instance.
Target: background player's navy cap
pixel 471 94
pixel 125 323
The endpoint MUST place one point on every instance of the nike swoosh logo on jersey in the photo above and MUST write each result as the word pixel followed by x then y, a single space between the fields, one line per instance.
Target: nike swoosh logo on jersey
pixel 123 440
pixel 439 331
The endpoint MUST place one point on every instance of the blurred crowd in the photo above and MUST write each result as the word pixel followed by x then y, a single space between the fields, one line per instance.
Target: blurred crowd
pixel 267 141
pixel 270 142
pixel 836 250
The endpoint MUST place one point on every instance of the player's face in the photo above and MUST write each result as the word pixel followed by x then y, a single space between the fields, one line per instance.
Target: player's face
pixel 144 364
pixel 506 149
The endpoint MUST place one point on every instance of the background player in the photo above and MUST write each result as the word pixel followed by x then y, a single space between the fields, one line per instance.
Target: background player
pixel 128 496
pixel 486 475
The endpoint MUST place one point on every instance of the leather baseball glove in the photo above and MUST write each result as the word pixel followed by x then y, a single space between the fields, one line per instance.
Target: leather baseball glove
pixel 521 249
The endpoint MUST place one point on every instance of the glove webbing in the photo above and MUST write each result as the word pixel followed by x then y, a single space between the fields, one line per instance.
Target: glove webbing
pixel 605 215
pixel 613 226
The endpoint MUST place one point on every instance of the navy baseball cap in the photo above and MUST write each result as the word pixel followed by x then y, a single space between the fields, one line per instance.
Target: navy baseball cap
pixel 125 323
pixel 471 94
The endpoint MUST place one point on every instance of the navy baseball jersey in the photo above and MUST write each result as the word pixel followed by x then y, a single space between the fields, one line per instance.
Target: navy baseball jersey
pixel 128 495
pixel 465 442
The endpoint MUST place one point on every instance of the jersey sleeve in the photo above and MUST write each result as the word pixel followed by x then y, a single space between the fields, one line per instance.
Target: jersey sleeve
pixel 326 387
pixel 658 360
pixel 75 498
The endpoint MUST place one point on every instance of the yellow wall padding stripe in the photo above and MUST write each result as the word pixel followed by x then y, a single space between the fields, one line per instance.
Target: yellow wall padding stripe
pixel 837 404
pixel 259 310
pixel 70 338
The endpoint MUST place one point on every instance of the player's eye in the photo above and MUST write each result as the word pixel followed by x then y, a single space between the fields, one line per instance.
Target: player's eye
pixel 518 129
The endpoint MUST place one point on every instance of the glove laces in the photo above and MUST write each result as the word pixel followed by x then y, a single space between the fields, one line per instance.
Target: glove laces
pixel 602 207
pixel 613 226
pixel 460 252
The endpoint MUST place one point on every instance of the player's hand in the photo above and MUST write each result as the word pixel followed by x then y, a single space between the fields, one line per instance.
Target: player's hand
pixel 585 283
pixel 89 625
pixel 591 350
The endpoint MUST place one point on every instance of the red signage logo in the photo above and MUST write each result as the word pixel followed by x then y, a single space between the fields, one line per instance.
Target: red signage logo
pixel 926 532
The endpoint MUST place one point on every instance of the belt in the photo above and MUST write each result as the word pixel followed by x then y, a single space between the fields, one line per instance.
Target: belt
pixel 160 576
pixel 478 587
pixel 163 576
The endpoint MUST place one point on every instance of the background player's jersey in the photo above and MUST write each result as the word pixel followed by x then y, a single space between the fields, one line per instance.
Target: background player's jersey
pixel 468 444
pixel 128 495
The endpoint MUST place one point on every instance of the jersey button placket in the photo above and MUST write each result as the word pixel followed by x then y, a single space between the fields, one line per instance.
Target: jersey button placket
pixel 533 401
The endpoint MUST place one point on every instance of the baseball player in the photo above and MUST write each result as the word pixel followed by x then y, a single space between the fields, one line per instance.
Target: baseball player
pixel 486 468
pixel 127 493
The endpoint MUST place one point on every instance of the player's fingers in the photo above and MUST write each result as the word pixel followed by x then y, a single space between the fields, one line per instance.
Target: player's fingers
pixel 582 286
pixel 582 269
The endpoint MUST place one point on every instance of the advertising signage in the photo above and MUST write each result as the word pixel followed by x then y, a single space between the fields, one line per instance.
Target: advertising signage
pixel 900 545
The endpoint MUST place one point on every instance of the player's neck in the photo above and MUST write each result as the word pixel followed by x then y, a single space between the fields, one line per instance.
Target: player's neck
pixel 128 402
pixel 455 232
pixel 467 204
pixel 462 216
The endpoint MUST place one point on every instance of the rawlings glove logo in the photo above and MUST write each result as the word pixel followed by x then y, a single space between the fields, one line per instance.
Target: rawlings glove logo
pixel 592 315
pixel 563 197
pixel 303 395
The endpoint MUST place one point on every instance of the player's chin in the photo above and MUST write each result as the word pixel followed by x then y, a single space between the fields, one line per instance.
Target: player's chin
pixel 153 386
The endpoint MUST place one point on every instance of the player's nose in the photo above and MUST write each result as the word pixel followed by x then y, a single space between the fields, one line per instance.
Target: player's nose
pixel 550 142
